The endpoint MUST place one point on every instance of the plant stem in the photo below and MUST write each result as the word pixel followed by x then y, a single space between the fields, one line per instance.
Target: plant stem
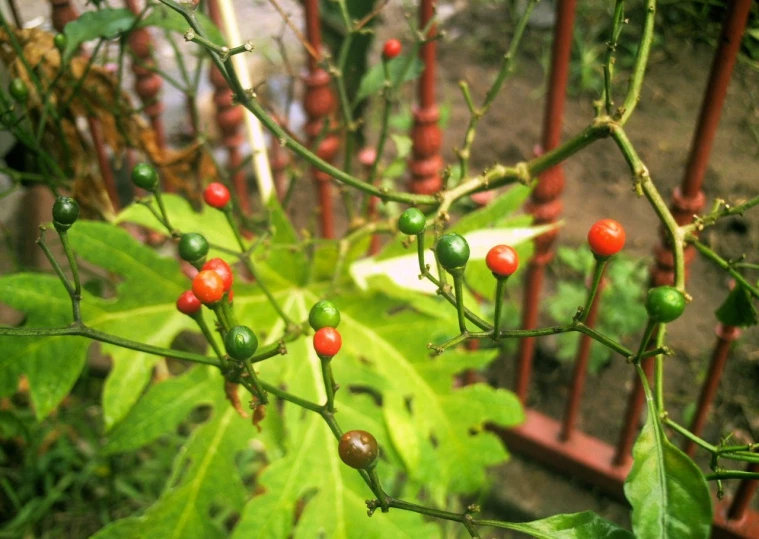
pixel 84 331
pixel 641 60
pixel 500 283
pixel 659 369
pixel 329 382
pixel 598 274
pixel 724 264
pixel 260 392
pixel 458 285
pixel 76 297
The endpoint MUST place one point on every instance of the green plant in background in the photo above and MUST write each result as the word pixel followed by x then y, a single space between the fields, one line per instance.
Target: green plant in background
pixel 621 312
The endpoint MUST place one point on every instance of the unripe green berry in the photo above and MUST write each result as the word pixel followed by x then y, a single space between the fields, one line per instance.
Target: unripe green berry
pixel 65 213
pixel 193 248
pixel 452 251
pixel 240 342
pixel 145 177
pixel 412 222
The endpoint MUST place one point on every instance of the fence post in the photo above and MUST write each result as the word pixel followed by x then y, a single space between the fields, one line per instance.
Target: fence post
pixel 580 369
pixel 725 336
pixel 319 104
pixel 545 204
pixel 229 119
pixel 426 136
pixel 689 199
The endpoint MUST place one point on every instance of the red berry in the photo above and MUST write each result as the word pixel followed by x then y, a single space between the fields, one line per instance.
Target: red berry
pixel 606 237
pixel 223 269
pixel 327 342
pixel 188 304
pixel 208 286
pixel 216 195
pixel 502 260
pixel 391 49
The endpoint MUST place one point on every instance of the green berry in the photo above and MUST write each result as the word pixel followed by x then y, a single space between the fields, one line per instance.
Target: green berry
pixel 60 41
pixel 65 213
pixel 240 342
pixel 145 176
pixel 324 314
pixel 664 304
pixel 193 248
pixel 19 91
pixel 412 222
pixel 452 251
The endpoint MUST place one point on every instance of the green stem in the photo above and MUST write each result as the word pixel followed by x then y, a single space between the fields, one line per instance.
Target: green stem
pixel 611 47
pixel 500 283
pixel 732 474
pixel 81 330
pixel 277 349
pixel 689 435
pixel 458 285
pixel 724 264
pixel 659 369
pixel 650 327
pixel 598 274
pixel 377 489
pixel 209 336
pixel 76 297
pixel 645 185
pixel 284 395
pixel 164 213
pixel 641 60
pixel 329 383
pixel 260 392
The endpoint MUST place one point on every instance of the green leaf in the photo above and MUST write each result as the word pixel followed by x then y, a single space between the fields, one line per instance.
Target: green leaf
pixel 374 79
pixel 738 308
pixel 104 23
pixel 144 310
pixel 585 525
pixel 168 19
pixel 667 491
pixel 208 221
pixel 162 408
pixel 205 478
pixel 52 364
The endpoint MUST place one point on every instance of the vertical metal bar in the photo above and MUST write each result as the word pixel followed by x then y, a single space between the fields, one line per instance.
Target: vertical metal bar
pixel 319 103
pixel 743 495
pixel 545 204
pixel 716 92
pixel 580 368
pixel 229 119
pixel 427 138
pixel 725 336
pixel 367 157
pixel 688 199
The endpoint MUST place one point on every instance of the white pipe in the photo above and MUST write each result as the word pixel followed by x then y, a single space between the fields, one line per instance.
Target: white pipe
pixel 255 132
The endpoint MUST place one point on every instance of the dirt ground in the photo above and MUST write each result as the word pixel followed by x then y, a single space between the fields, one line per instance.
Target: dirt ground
pixel 598 185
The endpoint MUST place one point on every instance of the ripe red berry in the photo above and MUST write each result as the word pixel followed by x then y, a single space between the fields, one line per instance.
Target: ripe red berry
pixel 327 342
pixel 606 237
pixel 216 195
pixel 208 286
pixel 223 269
pixel 188 303
pixel 502 260
pixel 391 49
